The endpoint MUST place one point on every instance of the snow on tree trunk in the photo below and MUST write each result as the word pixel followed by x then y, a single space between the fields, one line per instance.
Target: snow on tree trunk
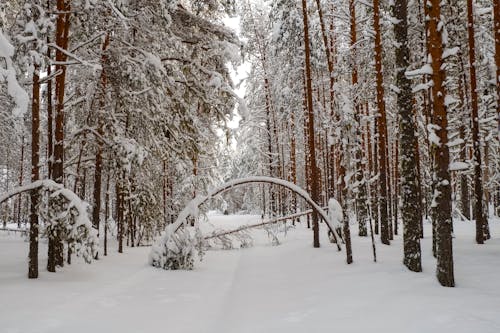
pixel 35 175
pixel 310 117
pixel 442 185
pixel 382 128
pixel 407 139
pixel 481 219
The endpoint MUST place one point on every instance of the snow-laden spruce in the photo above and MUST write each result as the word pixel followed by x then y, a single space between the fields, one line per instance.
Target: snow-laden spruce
pixel 180 245
pixel 15 91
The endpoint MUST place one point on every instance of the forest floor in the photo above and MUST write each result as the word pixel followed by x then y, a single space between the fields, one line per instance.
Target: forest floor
pixel 287 288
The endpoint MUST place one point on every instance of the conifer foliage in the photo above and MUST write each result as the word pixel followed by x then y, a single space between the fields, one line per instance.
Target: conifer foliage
pixel 118 112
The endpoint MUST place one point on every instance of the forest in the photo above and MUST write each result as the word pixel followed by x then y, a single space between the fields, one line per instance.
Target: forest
pixel 161 131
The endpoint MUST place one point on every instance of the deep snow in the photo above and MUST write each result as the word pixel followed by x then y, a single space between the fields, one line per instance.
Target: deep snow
pixel 287 288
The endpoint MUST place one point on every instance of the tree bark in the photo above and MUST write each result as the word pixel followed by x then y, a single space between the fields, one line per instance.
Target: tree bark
pixel 96 212
pixel 481 220
pixel 496 35
pixel 360 190
pixel 55 252
pixel 35 175
pixel 442 190
pixel 410 207
pixel 310 116
pixel 21 179
pixel 382 128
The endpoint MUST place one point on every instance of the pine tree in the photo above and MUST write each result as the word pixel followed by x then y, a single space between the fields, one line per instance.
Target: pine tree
pixel 481 220
pixel 382 129
pixel 442 181
pixel 407 140
pixel 35 174
pixel 310 124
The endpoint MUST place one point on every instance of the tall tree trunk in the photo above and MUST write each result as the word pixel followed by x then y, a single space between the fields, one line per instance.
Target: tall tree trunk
pixel 360 190
pixel 106 216
pixel 481 220
pixel 50 116
pixel 396 186
pixel 310 116
pixel 165 183
pixel 496 35
pixel 421 208
pixel 119 213
pixel 96 213
pixel 410 207
pixel 21 180
pixel 293 162
pixel 464 186
pixel 442 190
pixel 35 174
pixel 55 253
pixel 382 128
pixel 376 186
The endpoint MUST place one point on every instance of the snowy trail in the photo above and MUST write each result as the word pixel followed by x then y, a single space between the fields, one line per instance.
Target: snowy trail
pixel 287 288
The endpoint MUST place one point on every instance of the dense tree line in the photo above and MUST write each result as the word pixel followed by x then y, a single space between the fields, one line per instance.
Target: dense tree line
pixel 391 108
pixel 122 105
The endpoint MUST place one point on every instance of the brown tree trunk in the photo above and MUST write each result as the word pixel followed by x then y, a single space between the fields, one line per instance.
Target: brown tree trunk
pixel 21 179
pixel 35 175
pixel 165 181
pixel 55 255
pixel 496 35
pixel 106 216
pixel 293 162
pixel 310 116
pixel 442 190
pixel 395 182
pixel 360 190
pixel 420 196
pixel 464 186
pixel 376 186
pixel 119 213
pixel 96 213
pixel 50 116
pixel 481 220
pixel 407 143
pixel 382 128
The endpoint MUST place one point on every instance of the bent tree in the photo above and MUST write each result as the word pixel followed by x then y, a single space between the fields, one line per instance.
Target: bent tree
pixel 175 249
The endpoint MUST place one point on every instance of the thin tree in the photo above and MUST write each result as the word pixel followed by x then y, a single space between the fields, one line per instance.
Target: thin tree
pixel 360 191
pixel 382 128
pixel 35 174
pixel 496 35
pixel 310 116
pixel 481 220
pixel 100 130
pixel 55 251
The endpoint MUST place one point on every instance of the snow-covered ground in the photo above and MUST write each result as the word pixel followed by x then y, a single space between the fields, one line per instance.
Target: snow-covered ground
pixel 287 288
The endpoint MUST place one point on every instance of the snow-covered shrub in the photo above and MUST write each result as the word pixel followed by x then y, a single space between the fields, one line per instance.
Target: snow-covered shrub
pixel 177 249
pixel 66 217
